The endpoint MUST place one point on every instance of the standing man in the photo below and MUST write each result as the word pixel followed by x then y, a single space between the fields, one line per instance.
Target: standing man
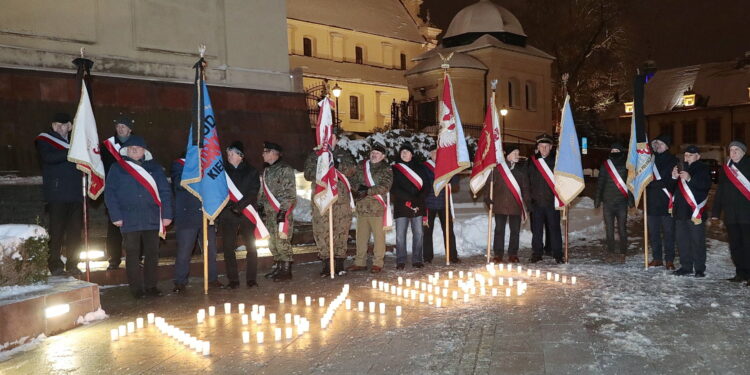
pixel 659 194
pixel 276 200
pixel 733 197
pixel 408 192
pixel 188 221
pixel 693 180
pixel 436 208
pixel 544 201
pixel 231 220
pixel 342 208
pixel 62 188
pixel 612 190
pixel 140 204
pixel 505 205
pixel 110 154
pixel 374 180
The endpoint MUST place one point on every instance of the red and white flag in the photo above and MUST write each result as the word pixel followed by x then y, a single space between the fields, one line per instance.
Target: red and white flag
pixel 452 152
pixel 84 145
pixel 326 188
pixel 488 147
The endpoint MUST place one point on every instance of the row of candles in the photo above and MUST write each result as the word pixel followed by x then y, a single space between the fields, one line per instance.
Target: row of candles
pixel 530 273
pixel 199 346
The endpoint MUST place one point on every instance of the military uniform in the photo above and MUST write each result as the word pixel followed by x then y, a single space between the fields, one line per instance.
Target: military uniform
pixel 370 212
pixel 342 210
pixel 279 179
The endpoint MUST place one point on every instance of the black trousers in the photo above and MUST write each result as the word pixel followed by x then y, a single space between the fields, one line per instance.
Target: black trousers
pixel 65 228
pixel 229 227
pixel 498 243
pixel 113 243
pixel 546 218
pixel 619 212
pixel 691 241
pixel 134 242
pixel 427 251
pixel 739 247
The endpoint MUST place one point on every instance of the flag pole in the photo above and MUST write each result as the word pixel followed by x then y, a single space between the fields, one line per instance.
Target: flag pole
pixel 205 253
pixel 489 214
pixel 447 223
pixel 645 231
pixel 565 78
pixel 85 229
pixel 330 240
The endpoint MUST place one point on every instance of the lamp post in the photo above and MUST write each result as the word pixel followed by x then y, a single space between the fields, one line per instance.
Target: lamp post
pixel 336 93
pixel 503 112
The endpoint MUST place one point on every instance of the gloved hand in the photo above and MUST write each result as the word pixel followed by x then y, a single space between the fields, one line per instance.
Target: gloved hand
pixel 488 201
pixel 281 216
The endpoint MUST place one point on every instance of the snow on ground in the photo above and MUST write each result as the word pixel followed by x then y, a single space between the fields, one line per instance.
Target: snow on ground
pixel 17 290
pixel 12 235
pixel 92 317
pixel 25 344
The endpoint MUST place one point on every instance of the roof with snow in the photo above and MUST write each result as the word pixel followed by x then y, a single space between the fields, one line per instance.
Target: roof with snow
pixel 484 17
pixel 716 84
pixel 387 18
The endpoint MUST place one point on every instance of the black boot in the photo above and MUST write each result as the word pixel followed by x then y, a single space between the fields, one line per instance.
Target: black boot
pixel 285 272
pixel 274 270
pixel 339 266
pixel 326 271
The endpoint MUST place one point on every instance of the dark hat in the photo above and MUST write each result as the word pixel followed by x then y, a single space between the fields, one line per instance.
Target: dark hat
pixel 135 140
pixel 378 147
pixel 667 139
pixel 511 148
pixel 432 147
pixel 544 138
pixel 739 145
pixel 127 121
pixel 406 146
pixel 618 146
pixel 61 117
pixel 272 146
pixel 692 149
pixel 237 147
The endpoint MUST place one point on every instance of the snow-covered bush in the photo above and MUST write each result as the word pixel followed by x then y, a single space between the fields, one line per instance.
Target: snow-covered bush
pixel 393 139
pixel 23 254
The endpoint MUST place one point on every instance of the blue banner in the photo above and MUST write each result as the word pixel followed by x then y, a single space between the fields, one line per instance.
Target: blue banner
pixel 568 169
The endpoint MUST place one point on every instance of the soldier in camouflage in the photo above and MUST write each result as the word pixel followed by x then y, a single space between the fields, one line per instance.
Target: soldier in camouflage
pixel 370 211
pixel 342 210
pixel 276 200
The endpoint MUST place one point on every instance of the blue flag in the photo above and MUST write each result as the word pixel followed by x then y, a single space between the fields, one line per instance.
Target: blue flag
pixel 640 160
pixel 568 169
pixel 204 175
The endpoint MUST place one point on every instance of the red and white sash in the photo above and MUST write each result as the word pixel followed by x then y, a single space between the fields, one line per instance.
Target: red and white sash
pixel 512 184
pixel 670 197
pixel 430 164
pixel 55 142
pixel 410 174
pixel 147 181
pixel 283 226
pixel 261 232
pixel 114 149
pixel 738 179
pixel 619 183
pixel 698 208
pixel 546 173
pixel 386 203
pixel 348 186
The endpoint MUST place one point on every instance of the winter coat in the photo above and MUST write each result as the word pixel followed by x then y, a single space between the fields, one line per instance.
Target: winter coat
pixel 383 176
pixel 188 210
pixel 606 189
pixel 280 179
pixel 504 203
pixel 61 181
pixel 730 200
pixel 540 194
pixel 129 201
pixel 700 184
pixel 107 158
pixel 431 201
pixel 658 203
pixel 404 194
pixel 247 180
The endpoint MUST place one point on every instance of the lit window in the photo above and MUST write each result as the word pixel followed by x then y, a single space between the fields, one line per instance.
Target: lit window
pixel 629 107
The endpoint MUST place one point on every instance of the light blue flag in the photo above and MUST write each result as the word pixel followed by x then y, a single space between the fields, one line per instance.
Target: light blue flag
pixel 568 169
pixel 640 160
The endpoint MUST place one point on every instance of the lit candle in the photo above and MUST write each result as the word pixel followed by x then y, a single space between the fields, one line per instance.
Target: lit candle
pixel 494 292
pixel 272 318
pixel 262 310
pixel 260 337
pixel 398 310
pixel 382 308
pixel 400 280
pixel 564 279
pixel 528 272
pixel 288 318
pixel 393 289
pixel 122 331
pixel 321 301
pixel 372 307
pixel 114 334
pixel 348 304
pixel 244 319
pixel 294 299
pixel 538 273
pixel 408 283
pixel 323 322
pixel 445 293
pixel 131 327
pixel 500 266
pixel 281 297
pixel 308 300
pixel 227 308
pixel 206 348
pixel 416 284
pixel 500 280
pixel 413 294
pixel 573 280
pixel 510 281
pixel 436 290
pixel 421 297
pixel 277 334
pixel 374 284
pixel 557 277
pixel 380 285
pixel 454 295
pixel 490 281
pixel 139 323
pixel 289 333
pixel 211 310
pixel 360 306
pixel 150 318
pixel 466 297
pixel 241 308
pixel 450 274
pixel 507 292
pixel 245 337
pixel 549 276
pixel 460 274
pixel 296 319
pixel 482 291
pixel 429 299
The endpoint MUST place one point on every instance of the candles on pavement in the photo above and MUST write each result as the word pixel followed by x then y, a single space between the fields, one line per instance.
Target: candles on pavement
pixel 573 280
pixel 557 277
pixel 139 323
pixel 400 280
pixel 398 310
pixel 244 319
pixel 549 276
pixel 289 333
pixel 294 299
pixel 241 308
pixel 260 337
pixel 371 307
pixel 281 297
pixel 131 327
pixel 114 334
pixel 507 292
pixel 288 318
pixel 122 331
pixel 382 308
pixel 308 301
pixel 150 317
pixel 374 284
pixel 272 318
pixel 348 304
pixel 211 310
pixel 206 348
pixel 321 302
pixel 245 337
pixel 277 334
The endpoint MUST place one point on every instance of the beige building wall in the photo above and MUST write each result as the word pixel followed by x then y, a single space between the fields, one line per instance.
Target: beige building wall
pixel 151 39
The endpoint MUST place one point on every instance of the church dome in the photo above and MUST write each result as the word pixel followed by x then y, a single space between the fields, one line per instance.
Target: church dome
pixel 484 17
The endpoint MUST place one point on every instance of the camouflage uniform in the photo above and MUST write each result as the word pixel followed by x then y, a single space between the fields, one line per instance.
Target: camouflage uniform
pixel 280 179
pixel 370 212
pixel 342 211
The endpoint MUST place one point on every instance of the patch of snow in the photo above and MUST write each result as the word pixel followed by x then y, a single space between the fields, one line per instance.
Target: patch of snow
pixel 714 304
pixel 23 344
pixel 12 235
pixel 92 317
pixel 15 180
pixel 736 314
pixel 16 290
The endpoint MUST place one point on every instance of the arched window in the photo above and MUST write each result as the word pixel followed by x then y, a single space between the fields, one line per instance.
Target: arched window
pixel 530 93
pixel 513 99
pixel 354 107
pixel 307 46
pixel 359 55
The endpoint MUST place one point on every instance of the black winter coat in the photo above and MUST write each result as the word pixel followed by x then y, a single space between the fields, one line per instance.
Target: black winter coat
pixel 403 191
pixel 247 180
pixel 730 200
pixel 658 203
pixel 606 190
pixel 188 210
pixel 700 183
pixel 540 194
pixel 61 181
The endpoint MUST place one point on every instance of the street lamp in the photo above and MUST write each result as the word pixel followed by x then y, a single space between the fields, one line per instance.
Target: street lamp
pixel 503 112
pixel 336 93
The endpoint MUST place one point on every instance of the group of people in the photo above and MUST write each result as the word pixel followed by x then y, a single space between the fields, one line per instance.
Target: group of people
pixel 141 203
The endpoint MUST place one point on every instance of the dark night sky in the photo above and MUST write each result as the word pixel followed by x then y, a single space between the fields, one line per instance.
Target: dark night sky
pixel 671 32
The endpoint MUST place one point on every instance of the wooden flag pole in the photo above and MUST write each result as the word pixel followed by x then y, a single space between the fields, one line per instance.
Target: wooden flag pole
pixel 447 225
pixel 205 254
pixel 330 240
pixel 489 215
pixel 565 220
pixel 645 231
pixel 85 230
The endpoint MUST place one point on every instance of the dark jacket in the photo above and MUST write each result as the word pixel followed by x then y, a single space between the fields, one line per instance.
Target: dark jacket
pixel 247 180
pixel 700 183
pixel 61 181
pixel 730 200
pixel 405 194
pixel 658 203
pixel 606 189
pixel 431 201
pixel 504 203
pixel 540 194
pixel 188 210
pixel 107 158
pixel 129 201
